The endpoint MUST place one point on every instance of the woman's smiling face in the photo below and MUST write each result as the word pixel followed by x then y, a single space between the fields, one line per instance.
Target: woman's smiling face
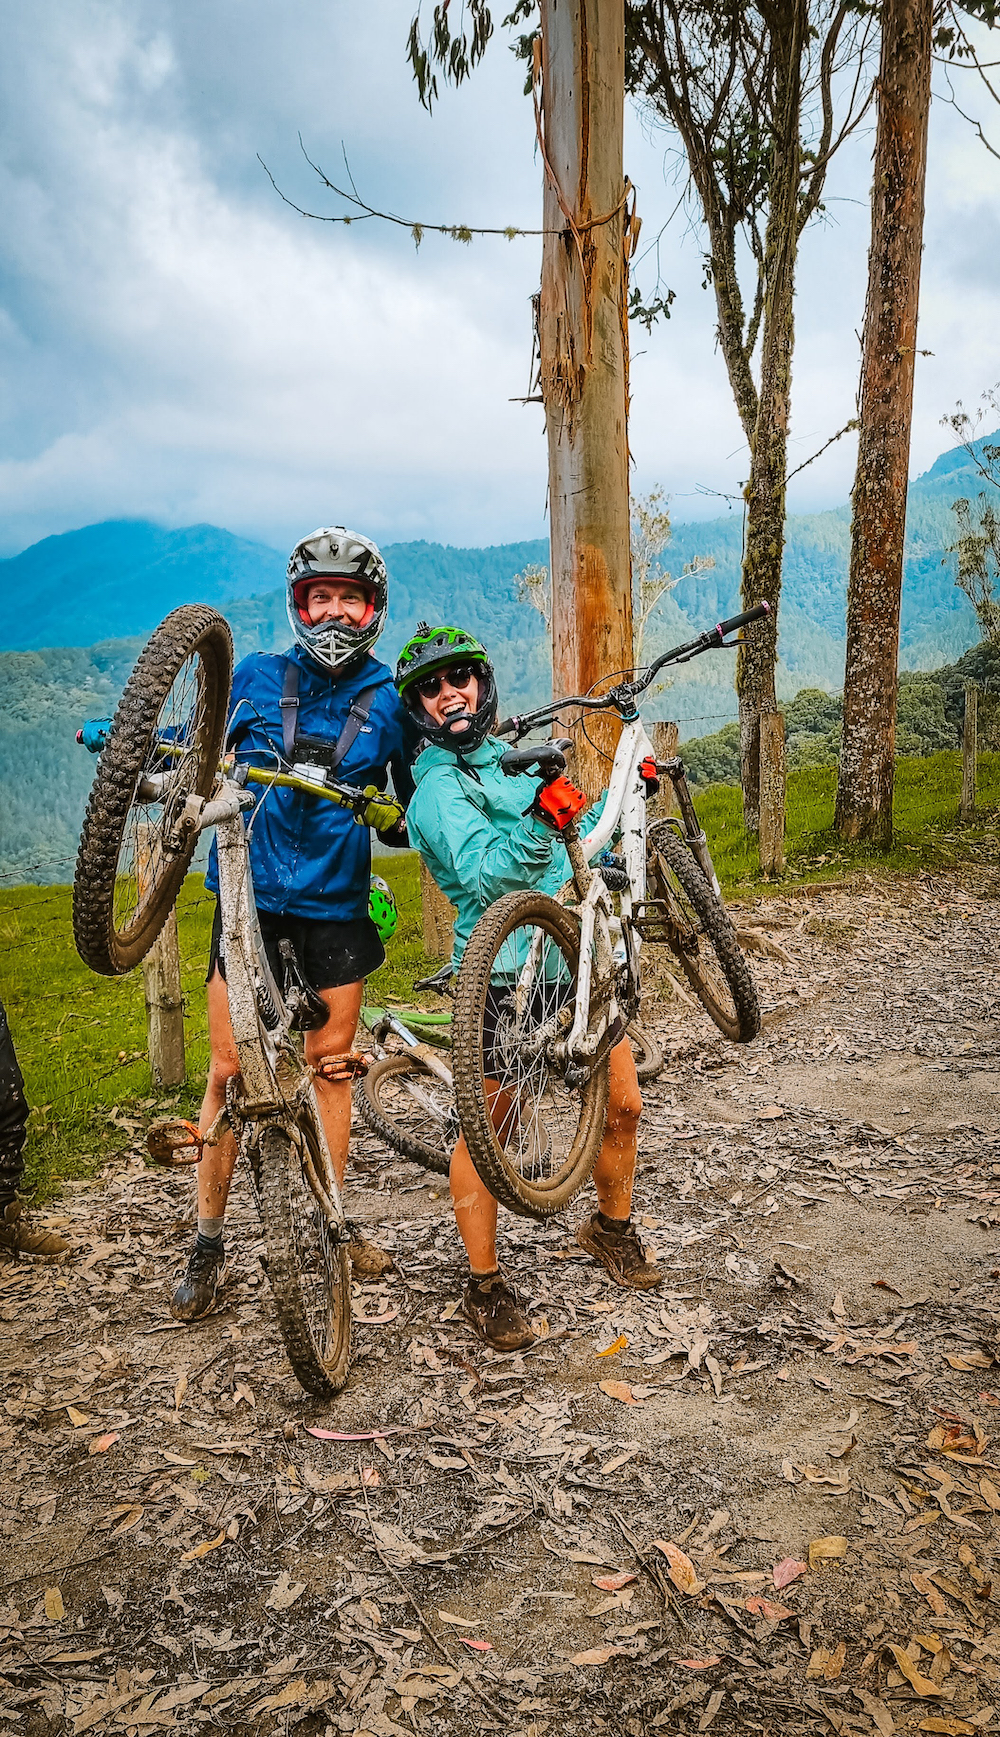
pixel 454 696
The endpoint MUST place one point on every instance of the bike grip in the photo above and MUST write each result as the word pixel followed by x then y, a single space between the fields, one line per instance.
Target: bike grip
pixel 94 734
pixel 506 727
pixel 737 621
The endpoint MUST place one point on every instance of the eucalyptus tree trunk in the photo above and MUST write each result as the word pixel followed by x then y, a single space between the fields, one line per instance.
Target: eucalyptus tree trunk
pixel 765 490
pixel 867 756
pixel 583 343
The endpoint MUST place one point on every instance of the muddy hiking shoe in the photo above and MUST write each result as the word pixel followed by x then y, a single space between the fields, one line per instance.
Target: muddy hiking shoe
pixel 615 1243
pixel 199 1287
pixel 19 1236
pixel 497 1313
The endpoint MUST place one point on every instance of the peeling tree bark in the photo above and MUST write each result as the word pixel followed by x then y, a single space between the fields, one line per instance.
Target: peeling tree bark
pixel 583 343
pixel 867 757
pixel 765 491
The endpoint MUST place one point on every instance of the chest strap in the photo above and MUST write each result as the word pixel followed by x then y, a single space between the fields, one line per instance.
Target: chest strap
pixel 359 714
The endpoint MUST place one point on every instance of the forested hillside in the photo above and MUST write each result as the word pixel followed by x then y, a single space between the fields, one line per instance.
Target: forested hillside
pixel 122 577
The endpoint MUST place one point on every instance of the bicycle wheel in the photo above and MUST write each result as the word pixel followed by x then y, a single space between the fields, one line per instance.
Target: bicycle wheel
pixel 646 1052
pixel 514 995
pixel 308 1271
pixel 163 747
pixel 699 933
pixel 411 1109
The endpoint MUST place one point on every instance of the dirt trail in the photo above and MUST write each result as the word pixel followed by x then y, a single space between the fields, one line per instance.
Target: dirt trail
pixel 820 1365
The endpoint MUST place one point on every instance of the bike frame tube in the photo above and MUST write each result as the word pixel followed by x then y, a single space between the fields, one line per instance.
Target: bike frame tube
pixel 247 975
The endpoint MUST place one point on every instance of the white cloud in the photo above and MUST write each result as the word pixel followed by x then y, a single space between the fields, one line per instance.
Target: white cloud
pixel 179 345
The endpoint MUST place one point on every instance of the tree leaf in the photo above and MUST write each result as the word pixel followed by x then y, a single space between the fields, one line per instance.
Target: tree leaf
pixel 283 1594
pixel 55 1610
pixel 101 1443
pixel 680 1567
pixel 914 1677
pixel 758 1606
pixel 613 1582
pixel 619 1344
pixel 203 1548
pixel 699 1664
pixel 785 1571
pixel 826 1549
pixel 619 1390
pixel 596 1655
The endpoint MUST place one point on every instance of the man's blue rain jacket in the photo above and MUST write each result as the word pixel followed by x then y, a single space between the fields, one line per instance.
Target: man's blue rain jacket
pixel 310 859
pixel 476 839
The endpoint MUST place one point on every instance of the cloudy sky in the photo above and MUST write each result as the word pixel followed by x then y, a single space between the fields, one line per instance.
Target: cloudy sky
pixel 179 345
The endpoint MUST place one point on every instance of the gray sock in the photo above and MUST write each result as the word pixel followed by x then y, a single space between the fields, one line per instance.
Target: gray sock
pixel 210 1228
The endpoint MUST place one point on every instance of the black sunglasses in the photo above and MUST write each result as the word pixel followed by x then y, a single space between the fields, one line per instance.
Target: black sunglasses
pixel 458 676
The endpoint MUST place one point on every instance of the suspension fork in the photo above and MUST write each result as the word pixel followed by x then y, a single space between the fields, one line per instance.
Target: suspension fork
pixel 693 831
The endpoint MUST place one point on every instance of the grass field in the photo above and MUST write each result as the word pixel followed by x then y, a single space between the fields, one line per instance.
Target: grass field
pixel 81 1039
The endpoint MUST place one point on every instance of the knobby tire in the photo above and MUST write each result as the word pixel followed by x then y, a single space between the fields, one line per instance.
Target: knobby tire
pixel 309 1274
pixel 713 952
pixel 378 1103
pixel 527 1197
pixel 104 941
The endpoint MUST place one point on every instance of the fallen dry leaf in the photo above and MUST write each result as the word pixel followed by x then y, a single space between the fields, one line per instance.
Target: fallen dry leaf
pixel 613 1582
pixel 949 1727
pixel 283 1595
pixel 785 1571
pixel 826 1664
pixel 456 1621
pixel 101 1443
pixel 619 1390
pixel 770 1113
pixel 699 1664
pixel 619 1344
pixel 680 1567
pixel 76 1417
pixel 758 1606
pixel 969 1360
pixel 914 1677
pixel 826 1549
pixel 481 1646
pixel 368 1434
pixel 596 1655
pixel 55 1610
pixel 990 1494
pixel 203 1548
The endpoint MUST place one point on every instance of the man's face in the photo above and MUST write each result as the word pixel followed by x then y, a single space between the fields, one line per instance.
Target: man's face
pixel 336 600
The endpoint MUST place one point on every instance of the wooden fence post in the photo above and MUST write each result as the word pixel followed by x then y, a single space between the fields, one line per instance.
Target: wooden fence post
pixel 772 793
pixel 969 749
pixel 664 740
pixel 438 916
pixel 161 977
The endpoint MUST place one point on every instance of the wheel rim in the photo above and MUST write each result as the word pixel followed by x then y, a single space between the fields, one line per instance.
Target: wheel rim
pixel 691 944
pixel 420 1106
pixel 536 1115
pixel 145 858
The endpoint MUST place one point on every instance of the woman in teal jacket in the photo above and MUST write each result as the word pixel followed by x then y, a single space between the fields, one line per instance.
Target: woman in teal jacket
pixel 481 836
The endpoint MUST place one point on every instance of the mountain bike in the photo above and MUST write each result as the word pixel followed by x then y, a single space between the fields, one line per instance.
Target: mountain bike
pixel 546 987
pixel 159 786
pixel 407 1097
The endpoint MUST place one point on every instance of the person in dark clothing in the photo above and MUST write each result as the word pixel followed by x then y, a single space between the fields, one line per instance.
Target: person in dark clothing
pixel 325 702
pixel 17 1234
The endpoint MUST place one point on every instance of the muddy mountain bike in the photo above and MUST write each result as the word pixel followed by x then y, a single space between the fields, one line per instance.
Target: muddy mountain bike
pixel 407 1097
pixel 547 986
pixel 159 786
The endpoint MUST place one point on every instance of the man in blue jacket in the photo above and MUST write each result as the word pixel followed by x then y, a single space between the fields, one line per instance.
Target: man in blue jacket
pixel 326 702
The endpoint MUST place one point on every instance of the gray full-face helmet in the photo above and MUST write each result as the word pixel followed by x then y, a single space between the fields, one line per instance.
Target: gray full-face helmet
pixel 335 553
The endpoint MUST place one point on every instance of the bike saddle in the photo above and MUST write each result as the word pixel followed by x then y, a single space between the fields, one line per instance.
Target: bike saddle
pixel 549 758
pixel 439 982
pixel 307 1010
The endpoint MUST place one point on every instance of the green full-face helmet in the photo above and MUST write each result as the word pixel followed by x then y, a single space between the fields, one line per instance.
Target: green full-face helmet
pixel 382 908
pixel 440 648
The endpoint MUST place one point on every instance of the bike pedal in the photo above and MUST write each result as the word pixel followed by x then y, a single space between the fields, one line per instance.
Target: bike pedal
pixel 171 1140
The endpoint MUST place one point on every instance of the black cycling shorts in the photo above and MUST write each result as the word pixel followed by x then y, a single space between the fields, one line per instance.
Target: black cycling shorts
pixel 498 1023
pixel 329 954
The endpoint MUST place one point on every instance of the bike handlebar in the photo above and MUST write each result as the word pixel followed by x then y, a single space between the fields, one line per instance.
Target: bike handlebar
pixel 622 698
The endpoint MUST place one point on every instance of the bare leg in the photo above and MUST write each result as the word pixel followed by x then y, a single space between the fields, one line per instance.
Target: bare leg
pixel 474 1206
pixel 336 1037
pixel 216 1168
pixel 614 1172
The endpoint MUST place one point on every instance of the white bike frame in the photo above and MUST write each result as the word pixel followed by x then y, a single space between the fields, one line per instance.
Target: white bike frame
pixel 275 1082
pixel 602 933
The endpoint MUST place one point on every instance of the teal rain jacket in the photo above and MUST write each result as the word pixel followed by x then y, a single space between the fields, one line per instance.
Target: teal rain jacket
pixel 475 837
